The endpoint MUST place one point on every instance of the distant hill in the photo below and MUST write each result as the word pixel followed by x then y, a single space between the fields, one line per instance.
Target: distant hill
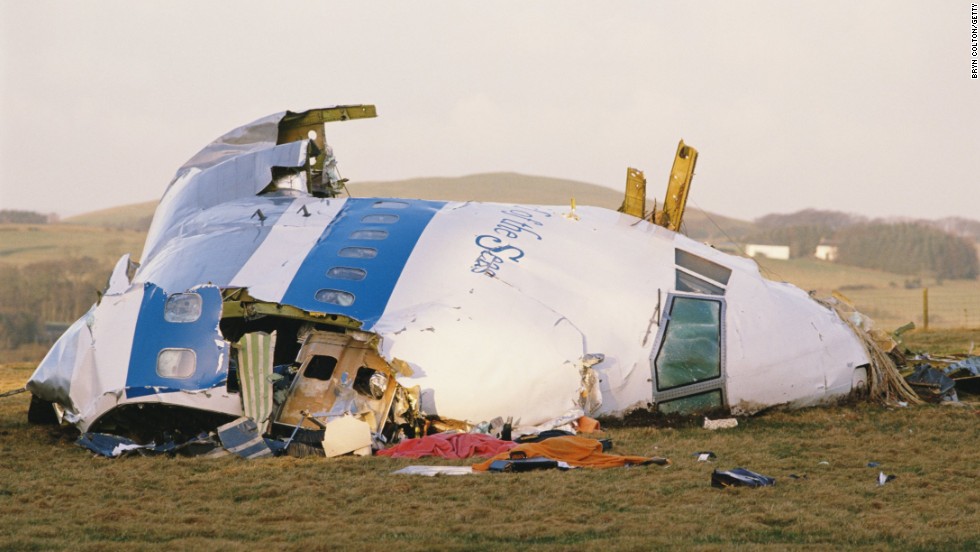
pixel 833 220
pixel 136 216
pixel 490 187
pixel 493 187
pixel 541 190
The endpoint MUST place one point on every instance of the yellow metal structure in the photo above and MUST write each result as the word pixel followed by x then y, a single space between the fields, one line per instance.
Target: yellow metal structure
pixel 678 187
pixel 296 126
pixel 635 199
pixel 309 125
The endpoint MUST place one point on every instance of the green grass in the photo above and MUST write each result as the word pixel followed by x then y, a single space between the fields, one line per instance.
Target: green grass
pixel 54 495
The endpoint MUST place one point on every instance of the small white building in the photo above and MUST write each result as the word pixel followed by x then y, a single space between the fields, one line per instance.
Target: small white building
pixel 780 252
pixel 827 252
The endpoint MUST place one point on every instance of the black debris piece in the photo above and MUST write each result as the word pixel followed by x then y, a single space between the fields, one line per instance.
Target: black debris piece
pixel 523 465
pixel 740 477
pixel 931 384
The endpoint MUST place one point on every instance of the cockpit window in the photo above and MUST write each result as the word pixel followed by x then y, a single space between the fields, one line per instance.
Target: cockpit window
pixel 701 402
pixel 702 266
pixel 691 349
pixel 320 367
pixel 182 308
pixel 176 363
pixel 690 283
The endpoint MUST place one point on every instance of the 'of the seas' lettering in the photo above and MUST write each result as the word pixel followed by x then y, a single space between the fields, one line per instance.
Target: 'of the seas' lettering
pixel 517 223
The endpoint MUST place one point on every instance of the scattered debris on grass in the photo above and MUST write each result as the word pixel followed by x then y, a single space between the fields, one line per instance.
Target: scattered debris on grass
pixel 740 477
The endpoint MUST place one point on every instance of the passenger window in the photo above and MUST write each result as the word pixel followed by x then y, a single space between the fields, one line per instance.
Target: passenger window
pixel 385 204
pixel 369 234
pixel 379 219
pixel 691 349
pixel 347 273
pixel 335 297
pixel 358 252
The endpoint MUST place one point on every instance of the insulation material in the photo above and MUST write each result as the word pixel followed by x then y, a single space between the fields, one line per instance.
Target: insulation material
pixel 431 471
pixel 255 352
pixel 346 434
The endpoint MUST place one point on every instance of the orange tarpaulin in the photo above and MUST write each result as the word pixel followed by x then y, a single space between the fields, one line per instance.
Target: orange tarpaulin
pixel 576 451
pixel 586 424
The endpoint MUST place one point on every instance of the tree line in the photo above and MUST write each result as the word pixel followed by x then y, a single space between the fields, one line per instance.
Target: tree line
pixel 13 216
pixel 48 291
pixel 902 248
pixel 908 248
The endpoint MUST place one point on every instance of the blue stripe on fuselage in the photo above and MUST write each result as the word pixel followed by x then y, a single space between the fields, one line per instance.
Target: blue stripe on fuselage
pixel 154 334
pixel 371 294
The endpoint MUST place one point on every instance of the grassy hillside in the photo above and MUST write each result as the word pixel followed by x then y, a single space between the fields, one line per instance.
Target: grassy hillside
pixel 494 187
pixel 133 217
pixel 22 244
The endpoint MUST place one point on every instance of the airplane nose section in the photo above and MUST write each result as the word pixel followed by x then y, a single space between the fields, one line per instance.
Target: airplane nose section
pixel 176 343
pixel 140 345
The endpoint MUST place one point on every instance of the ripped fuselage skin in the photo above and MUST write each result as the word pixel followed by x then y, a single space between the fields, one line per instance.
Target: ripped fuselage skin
pixel 386 309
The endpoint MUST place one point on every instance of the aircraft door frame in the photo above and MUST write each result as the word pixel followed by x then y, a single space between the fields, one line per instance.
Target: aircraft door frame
pixel 691 374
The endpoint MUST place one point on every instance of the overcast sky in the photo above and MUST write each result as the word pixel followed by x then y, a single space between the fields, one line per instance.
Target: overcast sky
pixel 864 107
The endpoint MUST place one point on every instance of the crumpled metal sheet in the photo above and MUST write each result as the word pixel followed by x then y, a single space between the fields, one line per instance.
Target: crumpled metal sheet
pixel 197 190
pixel 108 358
pixel 242 438
pixel 967 367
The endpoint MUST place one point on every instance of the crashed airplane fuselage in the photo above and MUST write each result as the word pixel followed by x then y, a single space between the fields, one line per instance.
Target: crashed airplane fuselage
pixel 389 309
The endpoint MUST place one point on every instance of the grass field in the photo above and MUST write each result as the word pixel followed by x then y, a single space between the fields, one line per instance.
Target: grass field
pixel 883 296
pixel 56 496
pixel 135 216
pixel 23 244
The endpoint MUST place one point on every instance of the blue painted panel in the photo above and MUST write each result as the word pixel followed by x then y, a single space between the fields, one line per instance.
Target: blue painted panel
pixel 370 294
pixel 154 334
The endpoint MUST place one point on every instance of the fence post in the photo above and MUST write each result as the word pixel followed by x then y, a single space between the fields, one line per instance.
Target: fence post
pixel 925 309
